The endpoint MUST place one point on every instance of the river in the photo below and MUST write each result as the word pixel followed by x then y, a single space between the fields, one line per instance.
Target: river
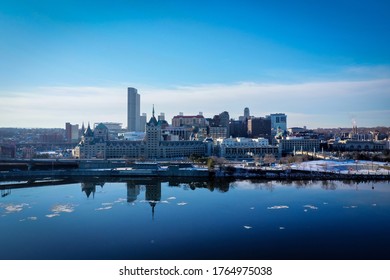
pixel 185 220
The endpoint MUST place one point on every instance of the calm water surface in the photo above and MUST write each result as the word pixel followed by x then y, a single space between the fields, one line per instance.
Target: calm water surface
pixel 149 219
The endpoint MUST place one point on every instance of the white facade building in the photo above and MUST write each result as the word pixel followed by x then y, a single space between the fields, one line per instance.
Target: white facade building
pixel 245 148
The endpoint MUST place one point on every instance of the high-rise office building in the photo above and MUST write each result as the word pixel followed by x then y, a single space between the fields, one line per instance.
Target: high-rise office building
pixel 142 120
pixel 72 133
pixel 133 109
pixel 259 127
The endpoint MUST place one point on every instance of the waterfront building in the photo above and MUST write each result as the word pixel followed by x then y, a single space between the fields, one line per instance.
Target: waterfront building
pixel 359 145
pixel 95 144
pixel 133 109
pixel 291 144
pixel 245 148
pixel 92 145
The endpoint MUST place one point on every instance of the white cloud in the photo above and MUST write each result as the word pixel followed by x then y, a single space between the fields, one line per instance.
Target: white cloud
pixel 324 104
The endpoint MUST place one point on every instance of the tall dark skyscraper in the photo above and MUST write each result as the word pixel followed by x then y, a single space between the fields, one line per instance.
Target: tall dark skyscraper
pixel 133 109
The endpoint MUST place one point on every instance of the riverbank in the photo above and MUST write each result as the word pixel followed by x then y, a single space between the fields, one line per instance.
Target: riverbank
pixel 313 170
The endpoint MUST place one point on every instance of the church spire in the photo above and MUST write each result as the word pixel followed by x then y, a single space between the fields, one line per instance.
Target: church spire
pixel 153 111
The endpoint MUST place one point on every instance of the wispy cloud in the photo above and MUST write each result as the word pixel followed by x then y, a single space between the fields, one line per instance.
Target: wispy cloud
pixel 315 104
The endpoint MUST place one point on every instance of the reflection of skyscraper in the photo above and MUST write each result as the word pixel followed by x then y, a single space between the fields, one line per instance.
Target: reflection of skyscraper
pixel 132 192
pixel 133 110
pixel 153 195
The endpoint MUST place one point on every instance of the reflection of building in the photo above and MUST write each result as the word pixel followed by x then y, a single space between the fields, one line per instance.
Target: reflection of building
pixel 133 191
pixel 153 195
pixel 152 192
pixel 90 188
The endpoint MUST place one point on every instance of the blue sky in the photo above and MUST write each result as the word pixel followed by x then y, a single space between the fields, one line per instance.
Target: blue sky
pixel 323 63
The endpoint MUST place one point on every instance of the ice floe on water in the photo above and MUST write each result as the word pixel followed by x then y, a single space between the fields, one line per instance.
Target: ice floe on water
pixel 107 203
pixel 13 208
pixel 103 208
pixel 32 218
pixel 278 207
pixel 66 208
pixel 52 215
pixel 247 227
pixel 119 200
pixel 308 206
pixel 61 208
pixel 252 208
pixel 282 228
pixel 350 207
pixel 171 198
pixel 182 203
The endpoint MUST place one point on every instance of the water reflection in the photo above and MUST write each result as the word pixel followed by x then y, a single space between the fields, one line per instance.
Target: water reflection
pixel 153 185
pixel 145 218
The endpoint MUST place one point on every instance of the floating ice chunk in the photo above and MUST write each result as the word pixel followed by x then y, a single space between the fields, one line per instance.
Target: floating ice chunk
pixel 252 208
pixel 52 215
pixel 32 218
pixel 171 198
pixel 103 208
pixel 13 208
pixel 247 227
pixel 281 228
pixel 374 204
pixel 325 203
pixel 310 207
pixel 352 206
pixel 107 203
pixel 305 210
pixel 67 208
pixel 182 203
pixel 278 207
pixel 120 200
pixel 164 201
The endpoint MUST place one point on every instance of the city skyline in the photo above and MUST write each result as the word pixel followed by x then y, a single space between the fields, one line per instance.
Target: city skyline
pixel 324 64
